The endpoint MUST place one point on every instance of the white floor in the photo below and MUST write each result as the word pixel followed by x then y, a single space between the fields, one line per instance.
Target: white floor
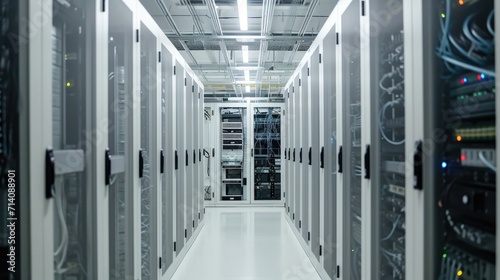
pixel 246 243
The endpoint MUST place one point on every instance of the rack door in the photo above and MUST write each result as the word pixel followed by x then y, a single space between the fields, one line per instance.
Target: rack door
pixel 351 150
pixel 119 177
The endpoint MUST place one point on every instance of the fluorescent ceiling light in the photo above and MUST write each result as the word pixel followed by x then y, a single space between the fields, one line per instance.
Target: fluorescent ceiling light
pixel 247 89
pixel 246 82
pixel 247 75
pixel 243 13
pixel 244 49
pixel 254 68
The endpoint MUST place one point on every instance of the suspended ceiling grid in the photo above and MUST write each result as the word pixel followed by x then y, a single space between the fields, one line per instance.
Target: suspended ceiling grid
pixel 208 35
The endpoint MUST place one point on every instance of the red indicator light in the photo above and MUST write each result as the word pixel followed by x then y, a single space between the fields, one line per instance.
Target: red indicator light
pixel 479 78
pixel 462 157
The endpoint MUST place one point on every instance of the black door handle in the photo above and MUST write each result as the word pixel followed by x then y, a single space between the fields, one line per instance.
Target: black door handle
pixel 300 156
pixel 322 158
pixel 213 152
pixel 310 156
pixel 162 162
pixel 285 153
pixel 176 160
pixel 251 152
pixel 194 156
pixel 367 162
pixel 187 158
pixel 340 159
pixel 289 158
pixel 418 167
pixel 50 173
pixel 199 154
pixel 293 154
pixel 141 164
pixel 107 167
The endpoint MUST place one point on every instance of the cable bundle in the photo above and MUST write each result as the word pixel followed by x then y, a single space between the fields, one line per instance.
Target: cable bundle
pixel 469 46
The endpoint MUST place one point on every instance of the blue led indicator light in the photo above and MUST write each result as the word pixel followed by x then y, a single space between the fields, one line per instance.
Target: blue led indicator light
pixel 444 164
pixel 483 76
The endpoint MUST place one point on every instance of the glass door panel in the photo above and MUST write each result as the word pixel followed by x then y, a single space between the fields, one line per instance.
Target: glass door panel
pixel 119 89
pixel 190 156
pixel 350 40
pixel 388 128
pixel 148 181
pixel 167 144
pixel 313 154
pixel 330 150
pixel 305 187
pixel 71 96
pixel 180 156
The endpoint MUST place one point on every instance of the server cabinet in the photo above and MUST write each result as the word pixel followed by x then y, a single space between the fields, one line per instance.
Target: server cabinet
pixel 166 156
pixel 386 168
pixel 313 152
pixel 286 143
pixel 291 145
pixel 180 156
pixel 328 161
pixel 78 187
pixel 350 152
pixel 119 175
pixel 296 151
pixel 465 200
pixel 197 154
pixel 234 154
pixel 203 165
pixel 266 153
pixel 148 154
pixel 305 187
pixel 190 155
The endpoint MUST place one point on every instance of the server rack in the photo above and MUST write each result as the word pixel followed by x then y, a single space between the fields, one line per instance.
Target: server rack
pixel 266 153
pixel 166 156
pixel 329 223
pixel 196 155
pixel 385 162
pixel 296 151
pixel 71 153
pixel 313 152
pixel 190 156
pixel 147 155
pixel 287 114
pixel 180 157
pixel 350 152
pixel 119 177
pixel 467 204
pixel 303 151
pixel 233 153
pixel 203 147
pixel 291 150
